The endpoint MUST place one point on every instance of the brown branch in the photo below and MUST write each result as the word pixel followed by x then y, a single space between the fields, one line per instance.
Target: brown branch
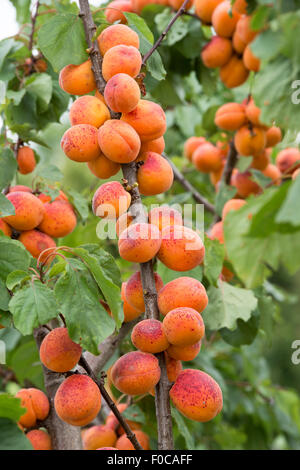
pixel 231 161
pixel 33 22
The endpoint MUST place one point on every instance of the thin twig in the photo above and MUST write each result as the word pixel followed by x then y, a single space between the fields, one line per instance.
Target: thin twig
pixel 33 22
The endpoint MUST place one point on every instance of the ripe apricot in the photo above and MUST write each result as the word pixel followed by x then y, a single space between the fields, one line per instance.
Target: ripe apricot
pixel 113 11
pixel 244 29
pixel 130 313
pixel 156 145
pixel 207 158
pixel 244 184
pixel 191 145
pixel 121 59
pixel 234 73
pixel 139 242
pixel 173 366
pixel 40 440
pixel 123 222
pixel 122 93
pixel 286 160
pixel 238 44
pixel 182 292
pixel 119 141
pixel 183 326
pixel 223 22
pixel 134 290
pixel 164 216
pixel 89 110
pixel 261 160
pixel 80 143
pixel 36 242
pixel 274 136
pixel 123 443
pixel 139 5
pixel 176 4
pixel 231 116
pixel 240 6
pixel 148 119
pixel 232 205
pixel 217 232
pixel 250 60
pixel 5 228
pixel 250 141
pixel 26 160
pixel 99 436
pixel 19 187
pixel 272 172
pixel 155 175
pixel 110 200
pixel 217 52
pixel 205 8
pixel 77 400
pixel 135 373
pixel 47 198
pixel 197 395
pixel 103 167
pixel 36 404
pixel 184 353
pixel 58 352
pixel 181 248
pixel 253 113
pixel 115 35
pixel 77 79
pixel 215 176
pixel 59 219
pixel 29 211
pixel 148 336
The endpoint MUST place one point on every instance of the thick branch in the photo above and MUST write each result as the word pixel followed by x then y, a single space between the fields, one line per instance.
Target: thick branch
pixel 231 161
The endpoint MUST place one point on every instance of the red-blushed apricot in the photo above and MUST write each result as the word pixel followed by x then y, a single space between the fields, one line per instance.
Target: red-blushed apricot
pixel 121 59
pixel 80 143
pixel 59 219
pixel 103 167
pixel 89 110
pixel 5 228
pixel 139 5
pixel 173 366
pixel 253 113
pixel 111 420
pixel 207 158
pixel 181 248
pixel 155 175
pixel 295 174
pixel 205 8
pixel 123 443
pixel 139 242
pixel 77 79
pixel 19 187
pixel 182 292
pixel 287 161
pixel 238 44
pixel 250 60
pixel 148 119
pixel 244 29
pixel 234 73
pixel 250 141
pixel 115 35
pixel 184 353
pixel 244 184
pixel 36 404
pixel 77 400
pixel 36 242
pixel 148 336
pixel 134 290
pixel 232 205
pixel 40 440
pixel 156 145
pixel 183 326
pixel 122 93
pixel 26 160
pixel 135 373
pixel 274 136
pixel 123 222
pixel 272 172
pixel 261 160
pixel 29 211
pixel 99 436
pixel 217 52
pixel 197 395
pixel 164 216
pixel 110 200
pixel 231 116
pixel 58 352
pixel 130 313
pixel 176 4
pixel 217 233
pixel 119 141
pixel 224 19
pixel 191 145
pixel 113 11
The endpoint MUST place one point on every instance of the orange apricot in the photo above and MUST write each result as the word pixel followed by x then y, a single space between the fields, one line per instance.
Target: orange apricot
pixel 224 19
pixel 121 59
pixel 58 352
pixel 234 73
pixel 184 353
pixel 149 336
pixel 173 366
pixel 148 119
pixel 261 160
pixel 40 440
pixel 250 141
pixel 253 113
pixel 205 8
pixel 288 160
pixel 197 395
pixel 130 313
pixel 139 242
pixel 232 205
pixel 215 176
pixel 119 141
pixel 99 436
pixel 139 5
pixel 250 60
pixel 26 160
pixel 274 136
pixel 100 97
pixel 80 143
pixel 134 290
pixel 156 145
pixel 29 211
pixel 122 93
pixel 164 216
pixel 59 219
pixel 77 400
pixel 231 116
pixel 155 175
pixel 36 404
pixel 116 35
pixel 110 200
pixel 103 167
pixel 244 184
pixel 272 172
pixel 240 6
pixel 217 232
pixel 182 292
pixel 89 110
pixel 19 187
pixel 176 4
pixel 244 29
pixel 123 443
pixel 238 44
pixel 207 158
pixel 123 222
pixel 5 228
pixel 217 52
pixel 183 326
pixel 77 79
pixel 191 145
pixel 114 9
pixel 36 242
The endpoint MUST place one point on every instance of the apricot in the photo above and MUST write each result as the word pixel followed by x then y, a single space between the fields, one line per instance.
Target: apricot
pixel 111 420
pixel 234 73
pixel 260 161
pixel 5 228
pixel 148 336
pixel 274 136
pixel 205 8
pixel 223 22
pixel 100 97
pixel 134 290
pixel 40 440
pixel 272 172
pixel 123 222
pixel 26 160
pixel 121 59
pixel 36 404
pixel 216 176
pixel 217 52
pixel 135 373
pixel 123 443
pixel 191 145
pixel 99 436
pixel 47 198
pixel 231 116
pixel 139 242
pixel 250 60
pixel 139 5
pixel 244 30
pixel 119 141
pixel 19 187
pixel 253 113
pixel 164 216
pixel 197 395
pixel 176 4
pixel 113 11
pixel 103 168
pixel 36 242
pixel 181 248
pixel 116 35
pixel 89 110
pixel 130 313
pixel 183 326
pixel 244 184
pixel 58 352
pixel 286 161
pixel 77 79
pixel 155 175
pixel 182 292
pixel 29 211
pixel 238 44
pixel 148 119
pixel 173 366
pixel 59 219
pixel 80 143
pixel 217 232
pixel 184 353
pixel 110 200
pixel 207 158
pixel 122 93
pixel 250 141
pixel 77 400
pixel 232 205
pixel 156 145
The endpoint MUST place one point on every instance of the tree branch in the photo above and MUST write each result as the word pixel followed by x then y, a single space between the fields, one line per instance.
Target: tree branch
pixel 33 22
pixel 231 161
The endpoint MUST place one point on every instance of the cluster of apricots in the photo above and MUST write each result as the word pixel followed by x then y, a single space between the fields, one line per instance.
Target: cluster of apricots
pixel 38 220
pixel 230 48
pixel 26 160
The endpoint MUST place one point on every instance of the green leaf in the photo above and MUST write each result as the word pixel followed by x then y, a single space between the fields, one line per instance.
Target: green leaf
pixel 40 86
pixel 16 96
pixel 213 261
pixel 287 212
pixel 5 47
pixel 49 172
pixel 62 41
pixel 23 10
pixel 6 207
pixel 80 204
pixel 13 256
pixel 8 167
pixel 32 306
pixel 4 296
pixel 134 413
pixel 10 407
pixel 11 436
pixel 178 31
pixel 15 278
pixel 183 429
pixel 25 362
pixel 224 194
pixel 107 262
pixel 245 332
